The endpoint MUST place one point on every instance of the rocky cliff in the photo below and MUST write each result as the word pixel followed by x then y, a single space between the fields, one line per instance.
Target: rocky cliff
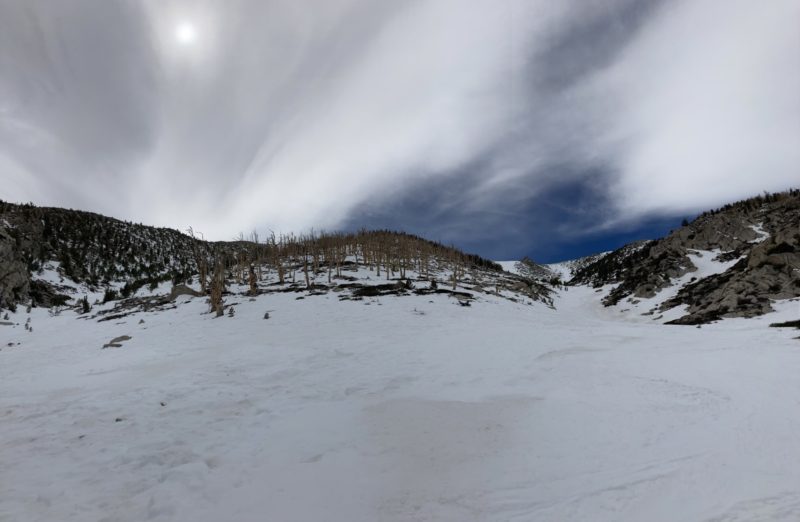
pixel 762 233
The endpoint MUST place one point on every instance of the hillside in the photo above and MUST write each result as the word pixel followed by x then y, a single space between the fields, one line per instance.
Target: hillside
pixel 86 248
pixel 559 273
pixel 55 257
pixel 731 262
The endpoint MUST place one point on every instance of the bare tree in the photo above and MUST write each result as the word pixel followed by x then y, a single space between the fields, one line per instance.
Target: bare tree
pixel 253 281
pixel 199 257
pixel 217 288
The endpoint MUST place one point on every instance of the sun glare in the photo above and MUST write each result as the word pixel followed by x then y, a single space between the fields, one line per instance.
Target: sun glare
pixel 185 33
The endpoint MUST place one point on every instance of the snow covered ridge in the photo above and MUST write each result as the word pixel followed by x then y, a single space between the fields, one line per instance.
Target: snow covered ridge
pixel 561 272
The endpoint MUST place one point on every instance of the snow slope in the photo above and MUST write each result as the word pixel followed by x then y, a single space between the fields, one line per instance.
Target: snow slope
pixel 509 266
pixel 564 270
pixel 397 409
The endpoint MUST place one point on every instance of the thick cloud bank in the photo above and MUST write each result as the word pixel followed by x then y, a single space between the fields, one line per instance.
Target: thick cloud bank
pixel 248 114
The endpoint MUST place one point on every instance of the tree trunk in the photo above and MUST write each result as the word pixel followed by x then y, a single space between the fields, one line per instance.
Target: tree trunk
pixel 253 281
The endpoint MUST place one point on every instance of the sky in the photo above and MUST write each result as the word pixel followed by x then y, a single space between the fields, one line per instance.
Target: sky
pixel 505 127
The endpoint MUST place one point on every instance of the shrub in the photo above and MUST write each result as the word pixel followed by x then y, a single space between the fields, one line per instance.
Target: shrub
pixel 110 295
pixel 59 300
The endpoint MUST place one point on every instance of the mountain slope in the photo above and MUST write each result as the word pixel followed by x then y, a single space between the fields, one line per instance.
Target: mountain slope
pixel 378 376
pixel 762 236
pixel 86 248
pixel 51 256
pixel 731 262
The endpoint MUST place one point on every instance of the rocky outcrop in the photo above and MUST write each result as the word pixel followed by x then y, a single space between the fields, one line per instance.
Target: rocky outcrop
pixel 620 266
pixel 763 232
pixel 14 276
pixel 770 271
pixel 656 266
pixel 179 290
pixel 116 342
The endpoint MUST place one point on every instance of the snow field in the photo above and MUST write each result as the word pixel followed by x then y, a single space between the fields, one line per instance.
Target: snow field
pixel 399 408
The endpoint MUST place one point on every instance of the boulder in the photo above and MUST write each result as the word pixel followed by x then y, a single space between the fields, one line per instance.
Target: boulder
pixel 179 290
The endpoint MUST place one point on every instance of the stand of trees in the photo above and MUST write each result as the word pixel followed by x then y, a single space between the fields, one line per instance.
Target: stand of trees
pixel 307 257
pixel 103 252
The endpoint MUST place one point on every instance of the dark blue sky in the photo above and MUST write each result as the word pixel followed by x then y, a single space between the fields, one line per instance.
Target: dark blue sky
pixel 511 246
pixel 559 224
pixel 571 248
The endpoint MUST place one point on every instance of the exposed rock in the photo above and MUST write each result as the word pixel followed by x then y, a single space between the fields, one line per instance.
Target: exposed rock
pixel 787 324
pixel 116 342
pixel 764 232
pixel 14 276
pixel 769 271
pixel 179 290
pixel 530 269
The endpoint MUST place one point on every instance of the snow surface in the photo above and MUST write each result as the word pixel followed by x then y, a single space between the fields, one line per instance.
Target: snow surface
pixel 509 266
pixel 563 269
pixel 761 234
pixel 398 409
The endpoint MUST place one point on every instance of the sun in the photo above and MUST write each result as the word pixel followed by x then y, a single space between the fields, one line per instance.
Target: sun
pixel 185 33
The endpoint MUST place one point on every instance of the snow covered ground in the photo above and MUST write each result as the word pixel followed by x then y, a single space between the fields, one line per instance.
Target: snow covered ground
pixel 509 266
pixel 399 409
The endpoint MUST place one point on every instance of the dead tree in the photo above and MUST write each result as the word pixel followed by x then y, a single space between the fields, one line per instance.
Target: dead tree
pixel 276 249
pixel 305 269
pixel 217 287
pixel 253 281
pixel 199 259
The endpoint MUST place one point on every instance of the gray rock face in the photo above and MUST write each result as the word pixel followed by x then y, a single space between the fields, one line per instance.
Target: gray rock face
pixel 769 268
pixel 179 290
pixel 769 271
pixel 14 276
pixel 642 270
pixel 725 231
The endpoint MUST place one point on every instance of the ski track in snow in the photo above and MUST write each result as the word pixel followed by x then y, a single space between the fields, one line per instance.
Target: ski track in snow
pixel 400 409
